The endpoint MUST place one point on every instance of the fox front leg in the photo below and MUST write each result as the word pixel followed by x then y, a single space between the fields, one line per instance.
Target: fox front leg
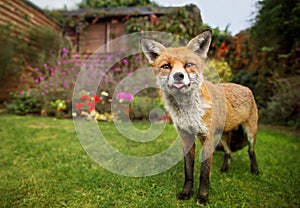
pixel 189 158
pixel 207 150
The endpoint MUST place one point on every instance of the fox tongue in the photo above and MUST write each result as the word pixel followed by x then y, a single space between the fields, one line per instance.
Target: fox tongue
pixel 178 85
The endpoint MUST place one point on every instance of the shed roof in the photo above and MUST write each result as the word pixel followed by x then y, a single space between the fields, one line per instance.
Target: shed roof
pixel 123 11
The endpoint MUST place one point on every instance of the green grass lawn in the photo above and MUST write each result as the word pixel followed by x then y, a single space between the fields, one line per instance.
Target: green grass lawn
pixel 44 165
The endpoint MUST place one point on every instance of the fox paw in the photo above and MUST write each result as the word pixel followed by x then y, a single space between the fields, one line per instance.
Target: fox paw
pixel 254 171
pixel 184 195
pixel 202 200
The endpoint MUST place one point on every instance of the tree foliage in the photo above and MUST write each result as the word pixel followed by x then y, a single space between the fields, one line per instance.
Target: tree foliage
pixel 114 3
pixel 277 25
pixel 276 37
pixel 185 22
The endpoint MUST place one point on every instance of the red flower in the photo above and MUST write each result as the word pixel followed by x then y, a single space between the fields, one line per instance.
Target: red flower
pixel 85 97
pixel 223 45
pixel 91 106
pixel 96 98
pixel 79 106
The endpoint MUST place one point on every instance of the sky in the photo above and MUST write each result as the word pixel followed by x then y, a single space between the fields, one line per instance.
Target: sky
pixel 216 13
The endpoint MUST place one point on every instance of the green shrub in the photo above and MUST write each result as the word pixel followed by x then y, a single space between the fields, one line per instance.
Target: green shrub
pixel 23 103
pixel 284 107
pixel 218 71
pixel 12 49
pixel 141 107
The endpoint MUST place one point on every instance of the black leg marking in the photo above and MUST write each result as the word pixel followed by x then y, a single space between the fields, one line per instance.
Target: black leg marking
pixel 253 163
pixel 202 197
pixel 188 187
pixel 188 142
pixel 225 166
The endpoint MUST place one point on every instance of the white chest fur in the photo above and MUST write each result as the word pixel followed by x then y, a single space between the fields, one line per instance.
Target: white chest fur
pixel 186 112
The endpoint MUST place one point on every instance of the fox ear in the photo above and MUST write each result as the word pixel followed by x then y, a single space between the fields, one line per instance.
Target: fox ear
pixel 200 44
pixel 151 49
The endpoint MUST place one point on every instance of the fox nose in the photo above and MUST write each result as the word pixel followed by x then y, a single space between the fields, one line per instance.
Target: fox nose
pixel 178 76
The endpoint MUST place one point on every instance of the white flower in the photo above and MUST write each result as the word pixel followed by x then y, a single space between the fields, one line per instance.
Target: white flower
pixel 104 93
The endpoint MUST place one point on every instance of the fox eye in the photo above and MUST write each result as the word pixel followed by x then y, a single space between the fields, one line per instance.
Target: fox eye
pixel 166 66
pixel 187 65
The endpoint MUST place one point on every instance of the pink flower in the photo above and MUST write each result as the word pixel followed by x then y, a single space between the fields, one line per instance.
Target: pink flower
pixel 42 78
pixel 65 50
pixel 129 97
pixel 124 96
pixel 125 61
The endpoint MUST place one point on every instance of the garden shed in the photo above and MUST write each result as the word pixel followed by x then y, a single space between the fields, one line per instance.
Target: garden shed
pixel 16 17
pixel 93 28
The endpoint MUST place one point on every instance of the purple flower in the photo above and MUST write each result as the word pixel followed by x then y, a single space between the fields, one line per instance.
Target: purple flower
pixel 36 81
pixel 125 61
pixel 59 63
pixel 125 96
pixel 45 65
pixel 121 95
pixel 129 97
pixel 36 69
pixel 65 50
pixel 108 58
pixel 42 78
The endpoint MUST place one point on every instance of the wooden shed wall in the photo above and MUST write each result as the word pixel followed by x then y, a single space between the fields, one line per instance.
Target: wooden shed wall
pixel 22 15
pixel 96 35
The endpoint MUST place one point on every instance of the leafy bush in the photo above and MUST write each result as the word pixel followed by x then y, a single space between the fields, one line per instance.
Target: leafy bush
pixel 53 82
pixel 31 47
pixel 141 107
pixel 284 107
pixel 218 71
pixel 43 43
pixel 245 78
pixel 12 48
pixel 24 102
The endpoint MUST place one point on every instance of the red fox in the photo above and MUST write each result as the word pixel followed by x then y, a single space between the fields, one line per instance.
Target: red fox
pixel 194 103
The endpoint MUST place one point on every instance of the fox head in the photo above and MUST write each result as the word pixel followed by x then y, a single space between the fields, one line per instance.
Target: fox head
pixel 178 70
